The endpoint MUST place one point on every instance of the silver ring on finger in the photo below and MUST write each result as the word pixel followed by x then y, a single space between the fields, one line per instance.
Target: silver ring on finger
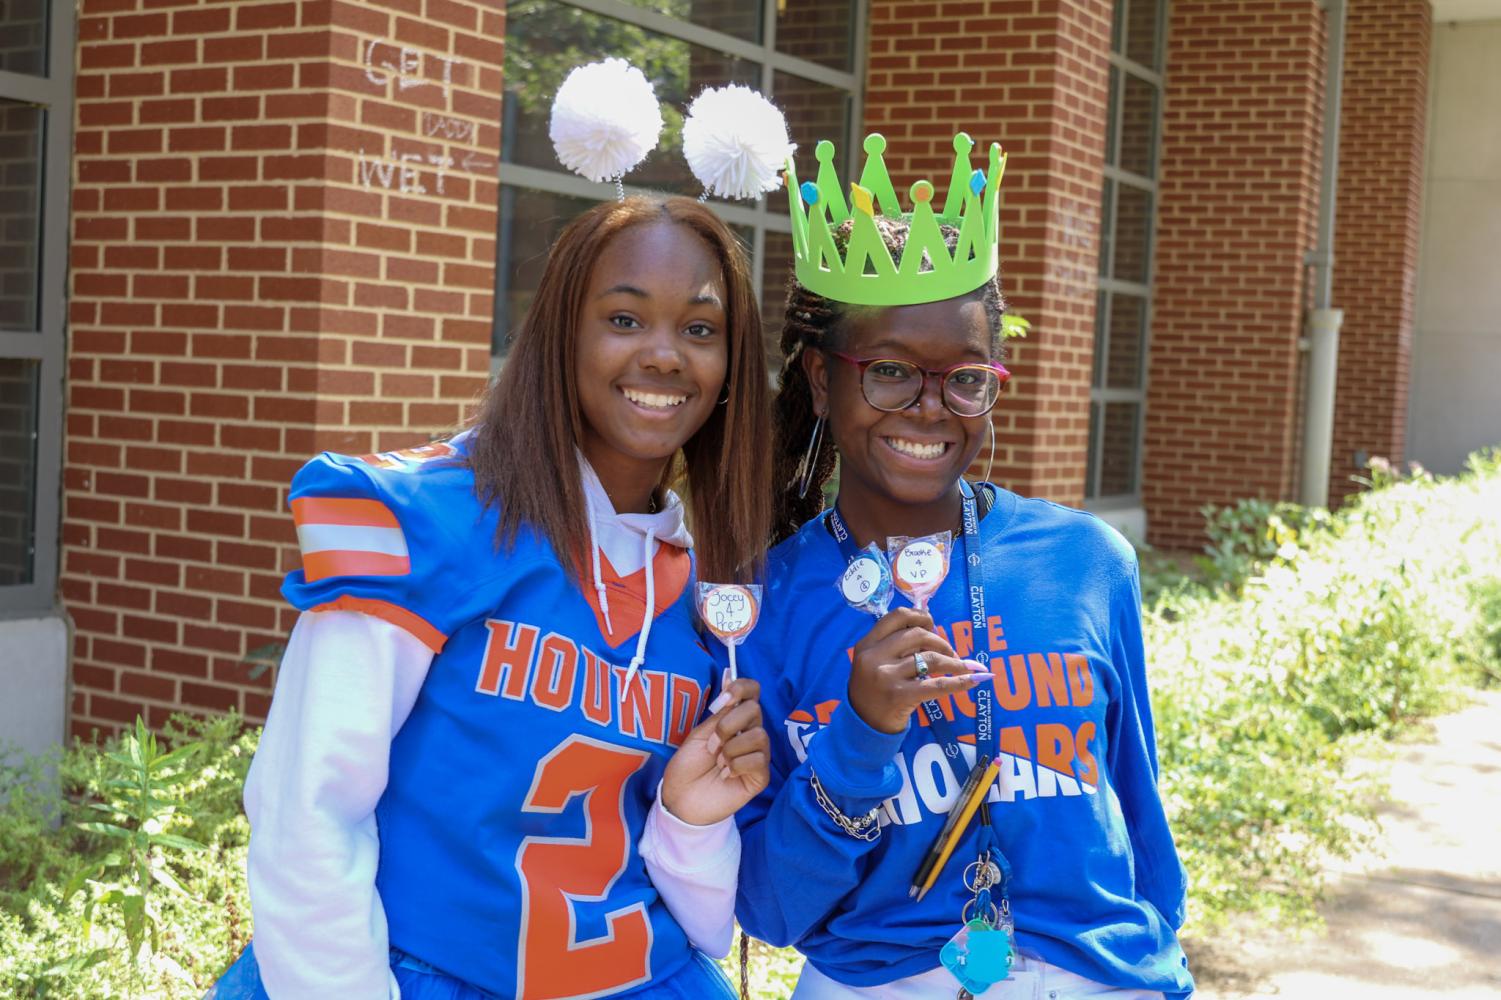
pixel 922 665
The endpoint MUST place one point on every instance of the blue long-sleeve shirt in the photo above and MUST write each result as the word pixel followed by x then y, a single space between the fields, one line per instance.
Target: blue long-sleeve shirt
pixel 1098 888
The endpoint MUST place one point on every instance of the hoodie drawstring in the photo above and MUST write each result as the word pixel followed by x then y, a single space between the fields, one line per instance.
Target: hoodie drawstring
pixel 647 614
pixel 599 583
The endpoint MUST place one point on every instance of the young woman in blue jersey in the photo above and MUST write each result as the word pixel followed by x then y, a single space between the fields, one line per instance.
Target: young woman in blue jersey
pixel 484 772
pixel 862 781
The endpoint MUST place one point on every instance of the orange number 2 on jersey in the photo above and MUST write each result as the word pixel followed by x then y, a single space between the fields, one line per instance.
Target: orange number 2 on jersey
pixel 550 961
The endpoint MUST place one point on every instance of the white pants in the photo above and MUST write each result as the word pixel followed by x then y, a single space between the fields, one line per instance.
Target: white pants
pixel 1031 979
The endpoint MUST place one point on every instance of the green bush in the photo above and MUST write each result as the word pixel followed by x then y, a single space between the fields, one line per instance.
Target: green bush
pixel 1311 634
pixel 1301 635
pixel 131 884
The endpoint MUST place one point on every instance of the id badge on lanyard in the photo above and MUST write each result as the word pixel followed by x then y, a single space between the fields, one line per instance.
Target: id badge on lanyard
pixel 980 954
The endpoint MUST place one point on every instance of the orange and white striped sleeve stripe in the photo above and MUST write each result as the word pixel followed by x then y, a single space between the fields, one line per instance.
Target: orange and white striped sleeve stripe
pixel 349 537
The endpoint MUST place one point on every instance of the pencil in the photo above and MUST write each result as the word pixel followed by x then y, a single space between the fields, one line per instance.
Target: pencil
pixel 991 773
pixel 966 791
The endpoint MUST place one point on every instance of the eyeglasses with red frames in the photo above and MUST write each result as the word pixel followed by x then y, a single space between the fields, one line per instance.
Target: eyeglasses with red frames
pixel 889 384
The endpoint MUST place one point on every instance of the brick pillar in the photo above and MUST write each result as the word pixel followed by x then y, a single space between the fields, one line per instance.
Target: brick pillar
pixel 1036 82
pixel 1382 147
pixel 283 241
pixel 1238 188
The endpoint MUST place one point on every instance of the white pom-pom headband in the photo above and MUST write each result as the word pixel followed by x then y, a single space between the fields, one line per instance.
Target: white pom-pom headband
pixel 605 120
pixel 735 142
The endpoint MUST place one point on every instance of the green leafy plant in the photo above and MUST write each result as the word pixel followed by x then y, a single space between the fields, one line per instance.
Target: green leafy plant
pixel 66 925
pixel 1252 533
pixel 1316 636
pixel 1014 325
pixel 141 799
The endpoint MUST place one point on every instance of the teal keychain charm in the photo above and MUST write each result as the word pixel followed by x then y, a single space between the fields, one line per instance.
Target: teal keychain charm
pixel 980 955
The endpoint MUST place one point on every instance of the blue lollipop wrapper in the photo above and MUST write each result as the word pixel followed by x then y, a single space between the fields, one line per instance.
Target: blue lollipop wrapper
pixel 865 583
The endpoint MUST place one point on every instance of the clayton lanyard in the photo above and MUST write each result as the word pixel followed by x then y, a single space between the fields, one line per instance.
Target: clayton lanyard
pixel 975 574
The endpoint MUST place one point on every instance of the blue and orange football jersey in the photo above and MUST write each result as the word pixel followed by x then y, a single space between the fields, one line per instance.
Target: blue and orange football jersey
pixel 520 783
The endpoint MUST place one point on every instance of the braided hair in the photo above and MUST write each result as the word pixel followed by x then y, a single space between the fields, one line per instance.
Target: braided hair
pixel 815 322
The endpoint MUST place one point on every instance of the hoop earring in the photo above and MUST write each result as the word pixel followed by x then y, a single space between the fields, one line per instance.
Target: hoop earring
pixel 810 459
pixel 726 397
pixel 991 461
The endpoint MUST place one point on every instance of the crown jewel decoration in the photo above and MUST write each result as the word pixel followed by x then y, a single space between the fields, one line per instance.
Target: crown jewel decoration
pixel 864 273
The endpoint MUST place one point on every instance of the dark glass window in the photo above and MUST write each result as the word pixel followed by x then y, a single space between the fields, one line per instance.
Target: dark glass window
pixel 23 36
pixel 1127 202
pixel 18 423
pixel 20 214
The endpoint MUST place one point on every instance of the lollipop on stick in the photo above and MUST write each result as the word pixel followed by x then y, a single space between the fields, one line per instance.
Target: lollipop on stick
pixel 730 610
pixel 918 565
pixel 866 581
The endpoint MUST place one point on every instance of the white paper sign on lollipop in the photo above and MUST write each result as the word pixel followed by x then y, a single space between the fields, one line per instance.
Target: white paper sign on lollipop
pixel 866 581
pixel 730 610
pixel 919 565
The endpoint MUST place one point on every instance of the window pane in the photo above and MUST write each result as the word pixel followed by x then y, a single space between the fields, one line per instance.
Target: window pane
pixel 1139 127
pixel 23 36
pixel 776 278
pixel 1133 218
pixel 18 416
pixel 1118 449
pixel 741 19
pixel 529 222
pixel 1128 318
pixel 1141 32
pixel 1101 335
pixel 1107 225
pixel 814 111
pixel 820 31
pixel 1111 156
pixel 544 40
pixel 20 213
pixel 1091 472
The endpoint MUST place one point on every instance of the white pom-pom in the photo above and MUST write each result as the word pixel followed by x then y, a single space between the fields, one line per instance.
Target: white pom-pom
pixel 735 141
pixel 605 119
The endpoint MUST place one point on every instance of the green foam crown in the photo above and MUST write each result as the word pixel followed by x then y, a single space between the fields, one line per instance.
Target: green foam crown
pixel 865 274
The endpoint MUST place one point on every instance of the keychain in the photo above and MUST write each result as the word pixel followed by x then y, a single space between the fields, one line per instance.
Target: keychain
pixel 980 955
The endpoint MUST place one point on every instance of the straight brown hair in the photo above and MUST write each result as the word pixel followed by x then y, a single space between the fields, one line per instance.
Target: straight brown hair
pixel 523 452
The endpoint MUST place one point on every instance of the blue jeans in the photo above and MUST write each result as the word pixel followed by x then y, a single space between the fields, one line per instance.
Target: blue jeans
pixel 699 979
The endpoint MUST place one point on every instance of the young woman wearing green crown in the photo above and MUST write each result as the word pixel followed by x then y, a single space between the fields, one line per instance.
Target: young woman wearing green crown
pixel 1014 706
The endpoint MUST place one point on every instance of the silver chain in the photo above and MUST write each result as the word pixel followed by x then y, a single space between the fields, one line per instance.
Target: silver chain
pixel 863 827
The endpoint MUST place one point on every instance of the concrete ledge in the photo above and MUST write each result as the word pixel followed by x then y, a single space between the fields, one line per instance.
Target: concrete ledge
pixel 1129 521
pixel 34 656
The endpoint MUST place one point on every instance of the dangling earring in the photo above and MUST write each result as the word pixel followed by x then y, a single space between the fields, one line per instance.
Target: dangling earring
pixel 726 397
pixel 810 459
pixel 991 462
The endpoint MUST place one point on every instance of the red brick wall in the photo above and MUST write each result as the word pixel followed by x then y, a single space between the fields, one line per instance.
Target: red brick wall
pixel 1032 76
pixel 1238 187
pixel 1381 153
pixel 283 241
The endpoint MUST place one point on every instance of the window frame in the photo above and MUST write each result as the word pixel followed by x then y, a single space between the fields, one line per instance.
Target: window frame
pixel 46 347
pixel 1099 393
pixel 757 216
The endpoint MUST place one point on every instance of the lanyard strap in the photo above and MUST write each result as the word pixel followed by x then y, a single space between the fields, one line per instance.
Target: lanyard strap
pixel 986 737
pixel 975 579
